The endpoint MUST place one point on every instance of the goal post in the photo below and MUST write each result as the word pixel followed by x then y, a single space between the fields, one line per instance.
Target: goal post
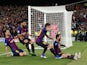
pixel 53 15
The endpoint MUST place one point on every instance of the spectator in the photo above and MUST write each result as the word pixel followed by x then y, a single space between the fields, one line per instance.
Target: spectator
pixel 10 16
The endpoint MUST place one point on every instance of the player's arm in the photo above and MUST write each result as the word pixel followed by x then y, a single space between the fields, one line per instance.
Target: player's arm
pixel 6 49
pixel 19 35
pixel 62 44
pixel 29 34
pixel 48 37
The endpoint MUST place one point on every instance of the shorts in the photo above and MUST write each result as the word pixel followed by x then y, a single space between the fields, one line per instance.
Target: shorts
pixel 42 44
pixel 17 52
pixel 22 41
pixel 60 54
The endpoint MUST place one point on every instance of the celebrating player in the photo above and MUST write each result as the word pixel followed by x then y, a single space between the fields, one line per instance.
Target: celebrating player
pixel 23 37
pixel 40 42
pixel 9 41
pixel 58 52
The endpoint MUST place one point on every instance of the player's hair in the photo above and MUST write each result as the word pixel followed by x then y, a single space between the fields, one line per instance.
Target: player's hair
pixel 25 20
pixel 57 36
pixel 47 24
pixel 5 31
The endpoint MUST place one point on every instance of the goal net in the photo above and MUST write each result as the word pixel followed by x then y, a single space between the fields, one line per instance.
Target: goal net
pixel 55 15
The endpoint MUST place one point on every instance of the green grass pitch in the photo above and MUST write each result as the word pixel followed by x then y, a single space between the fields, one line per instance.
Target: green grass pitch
pixel 29 60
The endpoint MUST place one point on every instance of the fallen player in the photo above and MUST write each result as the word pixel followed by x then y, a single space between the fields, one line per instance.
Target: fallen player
pixel 59 53
pixel 9 42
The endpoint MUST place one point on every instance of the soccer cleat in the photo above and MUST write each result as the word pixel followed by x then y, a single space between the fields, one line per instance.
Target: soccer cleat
pixel 32 54
pixel 43 56
pixel 76 56
pixel 58 57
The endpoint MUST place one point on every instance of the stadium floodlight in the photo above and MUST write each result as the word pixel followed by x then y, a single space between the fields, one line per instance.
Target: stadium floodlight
pixel 54 15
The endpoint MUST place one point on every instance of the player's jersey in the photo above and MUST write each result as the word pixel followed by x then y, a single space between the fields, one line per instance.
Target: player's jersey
pixel 41 36
pixel 22 30
pixel 10 42
pixel 56 47
pixel 55 44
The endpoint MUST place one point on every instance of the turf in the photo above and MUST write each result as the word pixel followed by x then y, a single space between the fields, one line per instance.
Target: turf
pixel 29 60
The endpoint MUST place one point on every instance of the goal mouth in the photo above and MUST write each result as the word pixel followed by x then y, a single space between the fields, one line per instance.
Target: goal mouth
pixel 38 16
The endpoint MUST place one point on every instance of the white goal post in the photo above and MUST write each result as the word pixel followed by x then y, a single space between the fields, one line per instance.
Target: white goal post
pixel 51 14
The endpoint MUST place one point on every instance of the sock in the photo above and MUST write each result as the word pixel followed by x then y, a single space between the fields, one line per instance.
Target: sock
pixel 71 57
pixel 52 51
pixel 45 49
pixel 27 46
pixel 32 48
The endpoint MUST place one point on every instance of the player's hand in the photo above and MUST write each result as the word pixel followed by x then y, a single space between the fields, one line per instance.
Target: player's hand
pixel 52 39
pixel 30 34
pixel 63 45
pixel 7 55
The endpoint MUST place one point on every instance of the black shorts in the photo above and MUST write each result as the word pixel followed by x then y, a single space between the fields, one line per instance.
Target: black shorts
pixel 42 44
pixel 17 52
pixel 60 54
pixel 22 41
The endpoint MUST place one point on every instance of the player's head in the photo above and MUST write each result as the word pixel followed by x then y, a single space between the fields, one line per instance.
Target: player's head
pixel 7 32
pixel 23 23
pixel 58 37
pixel 48 26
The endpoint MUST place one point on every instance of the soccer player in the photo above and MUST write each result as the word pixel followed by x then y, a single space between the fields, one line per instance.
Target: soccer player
pixel 59 53
pixel 23 37
pixel 40 42
pixel 9 42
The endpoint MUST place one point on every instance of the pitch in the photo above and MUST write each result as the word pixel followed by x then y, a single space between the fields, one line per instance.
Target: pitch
pixel 29 60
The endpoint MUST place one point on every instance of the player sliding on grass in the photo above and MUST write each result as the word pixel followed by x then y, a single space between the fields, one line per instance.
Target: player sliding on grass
pixel 9 41
pixel 23 37
pixel 40 42
pixel 58 52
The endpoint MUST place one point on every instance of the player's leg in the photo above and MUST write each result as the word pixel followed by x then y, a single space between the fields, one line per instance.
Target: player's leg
pixel 45 48
pixel 27 47
pixel 70 56
pixel 24 42
pixel 46 45
pixel 51 49
pixel 32 47
pixel 58 53
pixel 27 42
pixel 17 53
pixel 22 53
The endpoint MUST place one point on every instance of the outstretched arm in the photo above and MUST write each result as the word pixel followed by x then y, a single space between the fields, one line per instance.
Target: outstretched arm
pixel 49 37
pixel 6 49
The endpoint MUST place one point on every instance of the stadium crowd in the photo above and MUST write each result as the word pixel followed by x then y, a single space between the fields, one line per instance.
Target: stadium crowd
pixel 10 16
pixel 79 24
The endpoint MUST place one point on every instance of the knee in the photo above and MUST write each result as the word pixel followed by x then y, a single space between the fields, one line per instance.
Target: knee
pixel 24 53
pixel 25 41
pixel 31 42
pixel 50 46
pixel 21 54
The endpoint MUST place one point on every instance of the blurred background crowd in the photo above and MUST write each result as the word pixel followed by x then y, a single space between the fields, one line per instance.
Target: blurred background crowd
pixel 79 24
pixel 10 16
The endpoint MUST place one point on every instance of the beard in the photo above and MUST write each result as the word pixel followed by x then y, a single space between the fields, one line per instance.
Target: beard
pixel 59 39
